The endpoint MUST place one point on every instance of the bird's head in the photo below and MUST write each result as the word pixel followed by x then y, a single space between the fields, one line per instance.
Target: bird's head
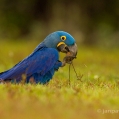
pixel 62 41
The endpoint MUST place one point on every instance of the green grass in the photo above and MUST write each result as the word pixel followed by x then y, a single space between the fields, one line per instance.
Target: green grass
pixel 96 96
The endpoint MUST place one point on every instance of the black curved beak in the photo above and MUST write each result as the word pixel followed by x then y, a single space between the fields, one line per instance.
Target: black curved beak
pixel 70 50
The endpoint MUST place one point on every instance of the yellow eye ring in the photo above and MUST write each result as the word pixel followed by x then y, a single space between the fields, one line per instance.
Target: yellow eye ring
pixel 63 38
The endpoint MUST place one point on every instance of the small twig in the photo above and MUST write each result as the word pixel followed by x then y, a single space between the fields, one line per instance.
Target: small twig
pixel 78 78
pixel 69 74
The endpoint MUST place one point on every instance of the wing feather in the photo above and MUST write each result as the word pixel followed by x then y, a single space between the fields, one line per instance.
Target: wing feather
pixel 41 61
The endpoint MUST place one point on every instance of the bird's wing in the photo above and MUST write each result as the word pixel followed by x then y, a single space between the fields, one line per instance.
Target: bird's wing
pixel 41 61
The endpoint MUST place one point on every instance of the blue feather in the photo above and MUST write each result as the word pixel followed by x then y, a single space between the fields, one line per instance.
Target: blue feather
pixel 40 65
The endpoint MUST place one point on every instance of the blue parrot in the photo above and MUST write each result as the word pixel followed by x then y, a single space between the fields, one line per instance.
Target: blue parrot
pixel 44 61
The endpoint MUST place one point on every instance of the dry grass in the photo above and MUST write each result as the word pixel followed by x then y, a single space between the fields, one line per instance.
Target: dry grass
pixel 95 97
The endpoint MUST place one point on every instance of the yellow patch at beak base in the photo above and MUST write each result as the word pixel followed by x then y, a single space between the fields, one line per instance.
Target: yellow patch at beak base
pixel 60 43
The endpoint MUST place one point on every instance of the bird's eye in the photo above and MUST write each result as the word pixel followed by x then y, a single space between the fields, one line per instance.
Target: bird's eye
pixel 63 38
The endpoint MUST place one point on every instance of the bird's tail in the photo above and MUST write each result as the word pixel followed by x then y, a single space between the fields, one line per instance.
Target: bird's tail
pixel 1 79
pixel 3 75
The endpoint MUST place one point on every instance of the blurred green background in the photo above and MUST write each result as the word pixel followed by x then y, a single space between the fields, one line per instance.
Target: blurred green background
pixel 90 22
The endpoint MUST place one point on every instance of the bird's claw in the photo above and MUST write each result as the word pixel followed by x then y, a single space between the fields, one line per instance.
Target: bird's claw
pixel 68 60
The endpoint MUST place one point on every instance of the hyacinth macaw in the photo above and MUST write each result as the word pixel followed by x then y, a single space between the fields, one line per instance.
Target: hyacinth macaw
pixel 44 61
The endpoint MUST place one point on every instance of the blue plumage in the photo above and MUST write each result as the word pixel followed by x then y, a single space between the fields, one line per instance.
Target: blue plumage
pixel 41 64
